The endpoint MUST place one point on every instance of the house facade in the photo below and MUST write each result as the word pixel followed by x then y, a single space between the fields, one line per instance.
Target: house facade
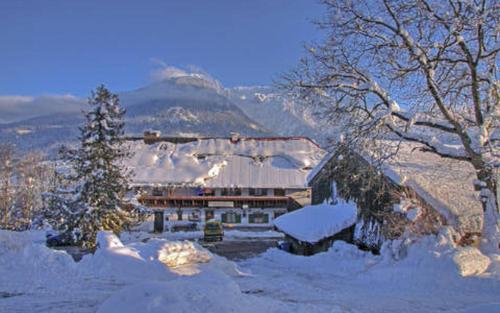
pixel 240 181
pixel 414 193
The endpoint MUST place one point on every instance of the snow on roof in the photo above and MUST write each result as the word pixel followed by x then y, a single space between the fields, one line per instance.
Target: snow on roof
pixel 445 184
pixel 315 171
pixel 218 162
pixel 315 222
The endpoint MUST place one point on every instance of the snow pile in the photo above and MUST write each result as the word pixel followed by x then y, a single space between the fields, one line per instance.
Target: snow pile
pixel 316 222
pixel 175 254
pixel 470 261
pixel 156 259
pixel 114 260
pixel 196 281
pixel 343 275
pixel 26 253
pixel 211 291
pixel 342 259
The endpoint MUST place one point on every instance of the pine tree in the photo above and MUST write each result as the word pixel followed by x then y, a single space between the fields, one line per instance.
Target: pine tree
pixel 97 176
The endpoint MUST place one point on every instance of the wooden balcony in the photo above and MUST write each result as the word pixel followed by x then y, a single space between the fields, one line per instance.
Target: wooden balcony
pixel 216 201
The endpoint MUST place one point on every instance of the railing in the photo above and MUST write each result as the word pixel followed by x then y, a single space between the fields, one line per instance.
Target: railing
pixel 208 201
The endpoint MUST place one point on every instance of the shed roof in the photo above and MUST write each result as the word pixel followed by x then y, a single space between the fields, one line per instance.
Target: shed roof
pixel 315 222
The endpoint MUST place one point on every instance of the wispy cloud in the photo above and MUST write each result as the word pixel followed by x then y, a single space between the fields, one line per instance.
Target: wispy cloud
pixel 162 70
pixel 16 108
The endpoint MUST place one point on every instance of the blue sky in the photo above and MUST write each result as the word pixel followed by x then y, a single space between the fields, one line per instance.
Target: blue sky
pixel 70 46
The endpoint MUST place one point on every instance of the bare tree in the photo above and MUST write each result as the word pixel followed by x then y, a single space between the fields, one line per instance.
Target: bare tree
pixel 7 199
pixel 423 71
pixel 34 174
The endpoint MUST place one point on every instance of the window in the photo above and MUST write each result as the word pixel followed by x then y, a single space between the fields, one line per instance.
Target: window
pixel 258 218
pixel 261 192
pixel 231 218
pixel 157 192
pixel 279 192
pixel 208 192
pixel 251 191
pixel 194 216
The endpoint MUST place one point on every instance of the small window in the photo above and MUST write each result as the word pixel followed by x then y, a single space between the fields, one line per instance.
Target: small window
pixel 231 218
pixel 258 218
pixel 261 192
pixel 279 192
pixel 157 192
pixel 208 192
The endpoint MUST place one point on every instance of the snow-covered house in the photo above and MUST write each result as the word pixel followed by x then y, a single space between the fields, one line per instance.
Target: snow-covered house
pixel 314 228
pixel 414 192
pixel 237 180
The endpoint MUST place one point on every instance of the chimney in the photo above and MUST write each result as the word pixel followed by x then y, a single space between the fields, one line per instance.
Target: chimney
pixel 235 137
pixel 151 136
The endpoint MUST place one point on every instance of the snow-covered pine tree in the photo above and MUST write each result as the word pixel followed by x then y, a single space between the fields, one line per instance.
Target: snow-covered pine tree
pixel 97 179
pixel 99 168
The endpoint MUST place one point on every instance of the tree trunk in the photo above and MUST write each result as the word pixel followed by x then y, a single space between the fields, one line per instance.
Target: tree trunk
pixel 491 220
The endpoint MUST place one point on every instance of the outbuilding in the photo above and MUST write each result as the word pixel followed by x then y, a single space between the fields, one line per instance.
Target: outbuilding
pixel 314 228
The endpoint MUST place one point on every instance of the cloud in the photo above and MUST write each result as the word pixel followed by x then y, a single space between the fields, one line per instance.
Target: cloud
pixel 168 72
pixel 17 108
pixel 162 71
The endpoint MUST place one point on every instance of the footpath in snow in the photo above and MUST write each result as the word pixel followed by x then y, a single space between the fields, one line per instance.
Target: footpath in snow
pixel 162 275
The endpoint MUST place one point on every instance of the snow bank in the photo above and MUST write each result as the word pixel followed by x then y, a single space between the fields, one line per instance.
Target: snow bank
pixel 208 292
pixel 342 259
pixel 156 259
pixel 426 280
pixel 315 222
pixel 175 254
pixel 112 259
pixel 40 266
pixel 470 261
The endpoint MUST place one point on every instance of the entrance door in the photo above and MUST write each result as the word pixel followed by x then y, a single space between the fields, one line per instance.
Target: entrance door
pixel 209 214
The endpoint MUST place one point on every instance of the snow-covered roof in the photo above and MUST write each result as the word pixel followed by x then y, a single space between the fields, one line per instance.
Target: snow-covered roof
pixel 315 222
pixel 219 162
pixel 445 184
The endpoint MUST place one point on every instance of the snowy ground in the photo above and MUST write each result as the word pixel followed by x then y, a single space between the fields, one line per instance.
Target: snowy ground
pixel 347 280
pixel 162 275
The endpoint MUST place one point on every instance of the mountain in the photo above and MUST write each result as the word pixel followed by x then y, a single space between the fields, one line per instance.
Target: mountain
pixel 275 111
pixel 46 132
pixel 179 105
pixel 184 106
